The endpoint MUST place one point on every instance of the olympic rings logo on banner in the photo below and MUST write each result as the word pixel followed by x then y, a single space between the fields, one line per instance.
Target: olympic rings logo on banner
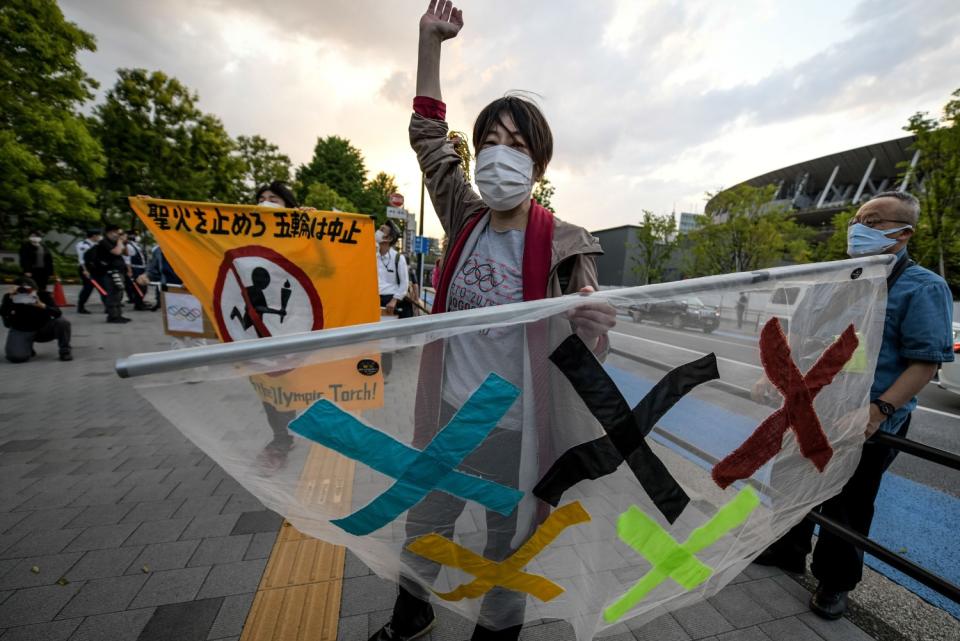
pixel 186 313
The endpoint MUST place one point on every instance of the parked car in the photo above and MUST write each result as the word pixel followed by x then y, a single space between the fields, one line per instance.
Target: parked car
pixel 949 376
pixel 689 312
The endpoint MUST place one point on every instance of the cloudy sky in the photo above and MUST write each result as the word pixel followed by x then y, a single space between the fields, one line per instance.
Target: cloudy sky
pixel 651 103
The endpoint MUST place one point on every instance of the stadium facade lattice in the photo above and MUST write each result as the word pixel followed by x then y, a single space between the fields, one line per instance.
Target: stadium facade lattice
pixel 815 190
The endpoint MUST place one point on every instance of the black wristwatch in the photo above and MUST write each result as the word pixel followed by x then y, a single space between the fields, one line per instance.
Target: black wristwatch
pixel 885 408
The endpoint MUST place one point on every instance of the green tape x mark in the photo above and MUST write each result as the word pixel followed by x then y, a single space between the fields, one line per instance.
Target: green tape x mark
pixel 672 559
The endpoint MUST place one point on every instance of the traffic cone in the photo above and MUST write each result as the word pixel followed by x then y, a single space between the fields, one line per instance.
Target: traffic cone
pixel 58 296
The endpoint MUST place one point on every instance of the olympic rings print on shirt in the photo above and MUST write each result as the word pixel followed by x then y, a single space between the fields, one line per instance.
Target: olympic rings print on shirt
pixel 484 275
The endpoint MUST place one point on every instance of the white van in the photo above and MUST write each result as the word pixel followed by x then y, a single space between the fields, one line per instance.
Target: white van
pixel 781 304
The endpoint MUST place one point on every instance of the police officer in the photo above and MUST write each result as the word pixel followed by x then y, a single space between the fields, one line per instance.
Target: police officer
pixel 109 268
pixel 93 237
pixel 136 262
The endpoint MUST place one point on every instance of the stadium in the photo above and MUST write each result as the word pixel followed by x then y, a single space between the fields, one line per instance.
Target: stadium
pixel 817 189
pixel 814 190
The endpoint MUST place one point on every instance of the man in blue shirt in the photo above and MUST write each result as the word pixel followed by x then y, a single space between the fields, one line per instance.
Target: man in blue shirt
pixel 917 337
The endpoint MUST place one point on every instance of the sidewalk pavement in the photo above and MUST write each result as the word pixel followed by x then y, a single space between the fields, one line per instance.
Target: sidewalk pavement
pixel 114 527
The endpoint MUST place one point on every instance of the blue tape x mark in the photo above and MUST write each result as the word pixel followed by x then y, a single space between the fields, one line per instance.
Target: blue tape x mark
pixel 417 472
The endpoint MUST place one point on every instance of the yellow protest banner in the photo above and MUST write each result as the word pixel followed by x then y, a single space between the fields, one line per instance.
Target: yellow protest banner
pixel 261 271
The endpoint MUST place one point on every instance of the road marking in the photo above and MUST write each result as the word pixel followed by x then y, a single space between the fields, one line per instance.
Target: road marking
pixel 746 341
pixel 940 412
pixel 684 349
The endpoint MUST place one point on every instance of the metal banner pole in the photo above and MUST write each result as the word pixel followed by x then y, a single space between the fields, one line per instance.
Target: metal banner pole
pixel 222 353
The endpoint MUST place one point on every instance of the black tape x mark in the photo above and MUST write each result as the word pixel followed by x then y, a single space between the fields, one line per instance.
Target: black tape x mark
pixel 626 429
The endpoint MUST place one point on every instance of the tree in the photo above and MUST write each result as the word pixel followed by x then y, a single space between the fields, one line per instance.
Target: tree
pixel 542 193
pixel 376 195
pixel 835 247
pixel 656 240
pixel 158 142
pixel 49 161
pixel 337 164
pixel 743 232
pixel 323 197
pixel 218 172
pixel 262 162
pixel 937 244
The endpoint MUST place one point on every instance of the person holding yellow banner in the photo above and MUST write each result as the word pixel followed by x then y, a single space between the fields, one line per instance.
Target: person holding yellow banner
pixel 274 454
pixel 273 269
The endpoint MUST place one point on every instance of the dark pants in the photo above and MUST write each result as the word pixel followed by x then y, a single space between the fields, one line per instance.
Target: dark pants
pixel 85 290
pixel 41 278
pixel 497 459
pixel 19 346
pixel 838 565
pixel 133 291
pixel 112 283
pixel 740 313
pixel 278 421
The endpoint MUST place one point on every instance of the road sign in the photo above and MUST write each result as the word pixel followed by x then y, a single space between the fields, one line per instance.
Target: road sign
pixel 421 245
pixel 397 212
pixel 395 200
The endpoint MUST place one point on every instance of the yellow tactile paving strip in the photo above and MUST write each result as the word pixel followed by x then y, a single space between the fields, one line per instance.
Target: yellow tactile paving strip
pixel 299 595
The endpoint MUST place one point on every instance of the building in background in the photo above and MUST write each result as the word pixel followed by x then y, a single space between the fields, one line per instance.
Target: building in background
pixel 818 189
pixel 620 255
pixel 688 222
pixel 814 190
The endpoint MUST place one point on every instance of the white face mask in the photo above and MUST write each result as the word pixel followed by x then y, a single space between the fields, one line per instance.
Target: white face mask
pixel 35 240
pixel 504 177
pixel 270 203
pixel 379 236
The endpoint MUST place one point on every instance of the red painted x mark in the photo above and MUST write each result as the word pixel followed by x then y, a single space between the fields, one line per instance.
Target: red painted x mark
pixel 797 412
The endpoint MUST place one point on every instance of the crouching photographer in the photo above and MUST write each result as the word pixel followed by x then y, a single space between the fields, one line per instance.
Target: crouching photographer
pixel 32 317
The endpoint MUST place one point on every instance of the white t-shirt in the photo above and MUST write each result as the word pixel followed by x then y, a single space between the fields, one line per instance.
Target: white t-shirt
pixel 387 268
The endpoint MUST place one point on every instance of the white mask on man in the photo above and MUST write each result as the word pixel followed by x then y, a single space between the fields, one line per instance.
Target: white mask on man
pixel 379 237
pixel 269 203
pixel 504 177
pixel 35 240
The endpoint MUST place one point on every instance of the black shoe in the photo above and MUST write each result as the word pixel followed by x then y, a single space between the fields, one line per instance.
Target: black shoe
pixel 827 604
pixel 81 310
pixel 274 455
pixel 140 308
pixel 66 356
pixel 772 559
pixel 119 319
pixel 387 633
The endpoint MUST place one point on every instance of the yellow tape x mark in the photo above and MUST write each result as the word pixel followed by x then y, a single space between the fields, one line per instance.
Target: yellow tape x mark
pixel 507 573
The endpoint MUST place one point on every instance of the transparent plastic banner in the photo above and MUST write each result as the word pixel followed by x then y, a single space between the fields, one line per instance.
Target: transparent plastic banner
pixel 519 471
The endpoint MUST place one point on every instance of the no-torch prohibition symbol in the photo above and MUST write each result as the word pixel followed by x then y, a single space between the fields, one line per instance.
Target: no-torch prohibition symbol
pixel 260 293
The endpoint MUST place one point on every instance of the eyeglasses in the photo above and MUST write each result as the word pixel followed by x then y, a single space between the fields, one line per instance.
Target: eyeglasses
pixel 873 222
